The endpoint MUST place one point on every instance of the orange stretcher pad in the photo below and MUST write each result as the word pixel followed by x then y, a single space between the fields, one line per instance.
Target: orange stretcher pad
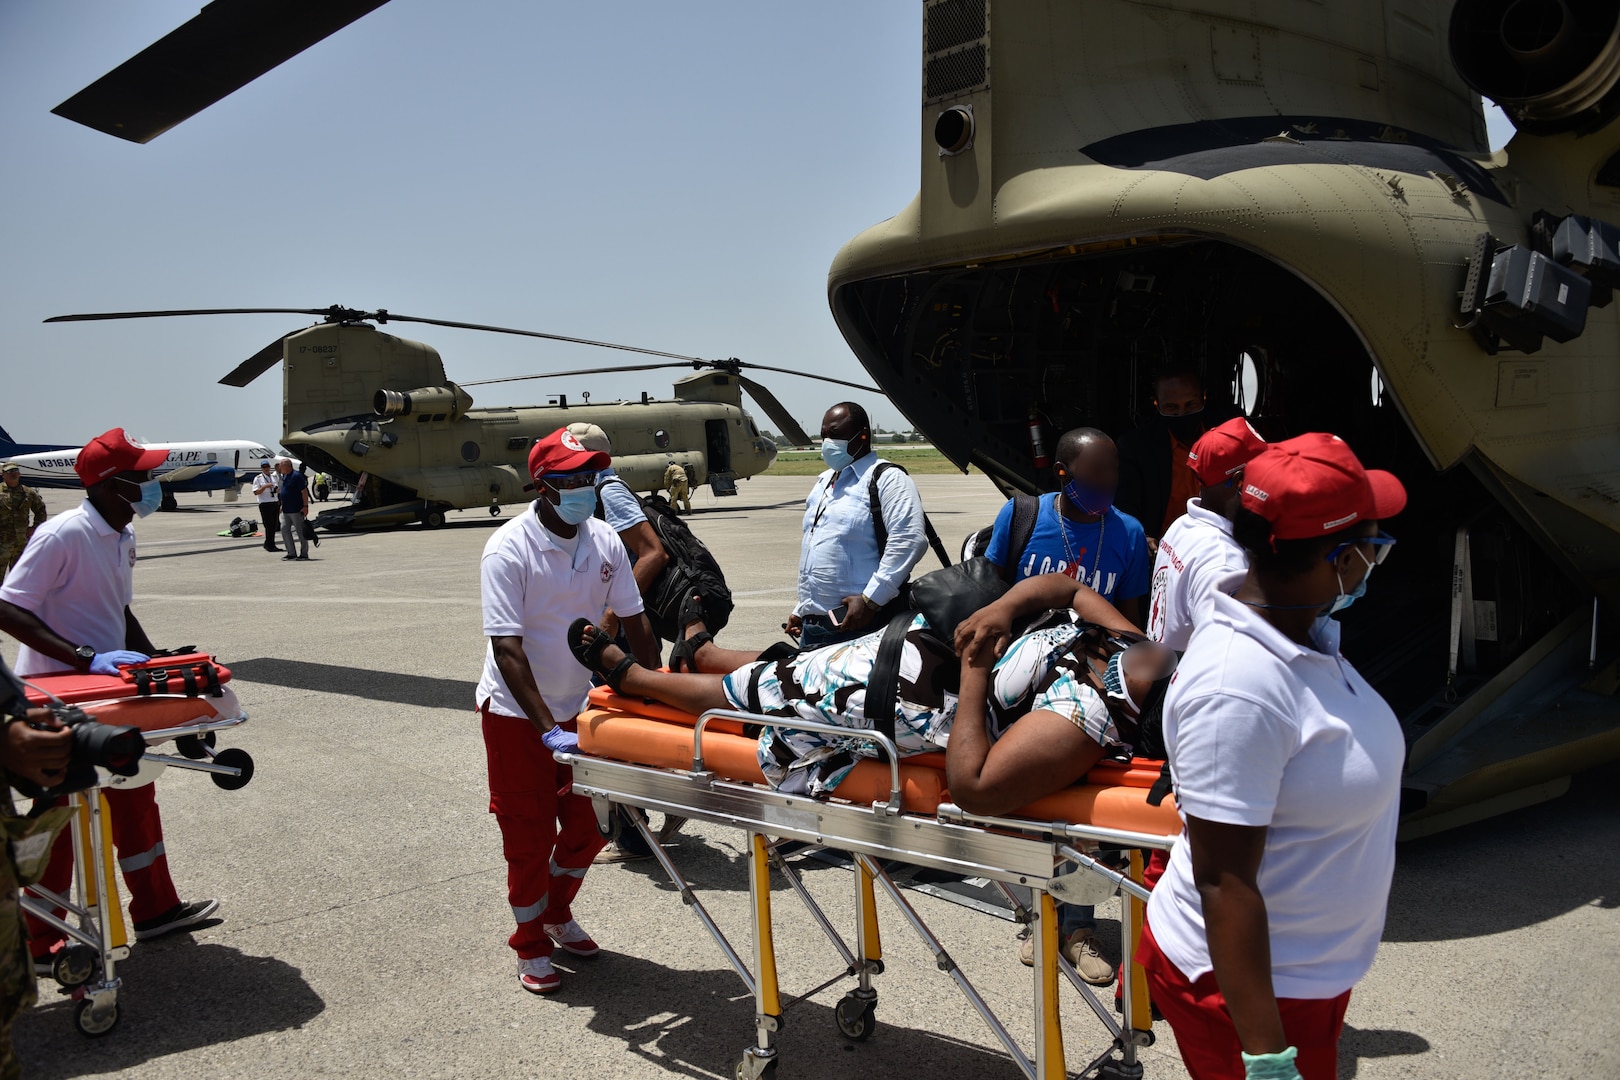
pixel 117 700
pixel 1114 796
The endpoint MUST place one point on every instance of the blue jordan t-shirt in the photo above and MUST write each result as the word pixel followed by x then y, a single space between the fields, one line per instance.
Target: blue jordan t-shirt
pixel 1121 571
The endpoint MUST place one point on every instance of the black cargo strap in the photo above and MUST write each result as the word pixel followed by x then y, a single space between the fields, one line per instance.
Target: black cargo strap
pixel 883 685
pixel 1161 787
pixel 197 680
pixel 753 687
pixel 882 530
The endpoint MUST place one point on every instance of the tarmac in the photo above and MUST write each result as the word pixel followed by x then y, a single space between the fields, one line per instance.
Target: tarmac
pixel 364 920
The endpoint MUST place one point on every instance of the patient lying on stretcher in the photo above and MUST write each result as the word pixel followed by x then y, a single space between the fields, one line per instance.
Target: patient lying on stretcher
pixel 1019 716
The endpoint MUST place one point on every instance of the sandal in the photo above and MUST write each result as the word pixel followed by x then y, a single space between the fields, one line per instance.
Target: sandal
pixel 590 656
pixel 684 652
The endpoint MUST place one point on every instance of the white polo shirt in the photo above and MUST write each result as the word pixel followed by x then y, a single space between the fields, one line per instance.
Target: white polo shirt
pixel 1263 731
pixel 77 575
pixel 1196 551
pixel 265 486
pixel 534 585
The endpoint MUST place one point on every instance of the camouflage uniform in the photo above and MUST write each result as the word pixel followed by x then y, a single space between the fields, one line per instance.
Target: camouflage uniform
pixel 15 505
pixel 16 967
pixel 675 480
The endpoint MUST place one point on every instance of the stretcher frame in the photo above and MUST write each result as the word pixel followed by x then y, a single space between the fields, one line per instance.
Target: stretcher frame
pixel 1004 850
pixel 88 965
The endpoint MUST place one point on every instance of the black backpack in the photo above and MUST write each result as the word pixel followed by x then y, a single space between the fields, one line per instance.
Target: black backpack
pixel 691 569
pixel 1026 509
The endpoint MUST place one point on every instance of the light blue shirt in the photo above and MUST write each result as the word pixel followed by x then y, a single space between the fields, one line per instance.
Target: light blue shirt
pixel 620 509
pixel 839 555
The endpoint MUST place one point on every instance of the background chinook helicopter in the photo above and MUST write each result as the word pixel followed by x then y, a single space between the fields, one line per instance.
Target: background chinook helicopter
pixel 1294 197
pixel 379 412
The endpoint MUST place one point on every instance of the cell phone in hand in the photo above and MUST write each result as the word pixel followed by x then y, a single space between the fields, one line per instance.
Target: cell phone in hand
pixel 838 614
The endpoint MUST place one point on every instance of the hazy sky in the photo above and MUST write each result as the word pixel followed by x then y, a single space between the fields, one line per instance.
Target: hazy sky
pixel 677 176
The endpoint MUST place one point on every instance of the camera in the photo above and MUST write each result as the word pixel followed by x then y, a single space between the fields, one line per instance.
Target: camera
pixel 117 749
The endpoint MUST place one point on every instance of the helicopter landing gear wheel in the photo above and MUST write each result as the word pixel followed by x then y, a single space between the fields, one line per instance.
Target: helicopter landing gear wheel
pixel 233 759
pixel 191 746
pixel 494 509
pixel 433 518
pixel 855 1018
pixel 95 1022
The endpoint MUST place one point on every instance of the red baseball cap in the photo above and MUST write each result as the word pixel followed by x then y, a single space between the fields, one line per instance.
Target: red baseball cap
pixel 115 452
pixel 1222 451
pixel 1313 486
pixel 562 452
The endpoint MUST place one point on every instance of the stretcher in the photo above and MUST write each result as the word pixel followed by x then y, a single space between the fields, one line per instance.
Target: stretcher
pixel 181 699
pixel 644 756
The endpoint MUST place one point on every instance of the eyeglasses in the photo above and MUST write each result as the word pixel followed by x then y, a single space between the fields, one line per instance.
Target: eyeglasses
pixel 569 481
pixel 1382 543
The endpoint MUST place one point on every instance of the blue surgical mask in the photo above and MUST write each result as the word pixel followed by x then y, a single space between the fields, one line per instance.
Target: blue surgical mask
pixel 835 452
pixel 576 505
pixel 1088 499
pixel 151 499
pixel 1345 599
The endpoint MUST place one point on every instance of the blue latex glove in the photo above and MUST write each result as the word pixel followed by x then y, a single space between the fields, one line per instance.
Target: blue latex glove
pixel 106 663
pixel 1278 1066
pixel 559 740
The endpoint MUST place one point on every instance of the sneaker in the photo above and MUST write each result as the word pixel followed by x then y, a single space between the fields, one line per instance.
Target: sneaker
pixel 1081 950
pixel 570 938
pixel 672 825
pixel 179 917
pixel 615 853
pixel 289 558
pixel 537 976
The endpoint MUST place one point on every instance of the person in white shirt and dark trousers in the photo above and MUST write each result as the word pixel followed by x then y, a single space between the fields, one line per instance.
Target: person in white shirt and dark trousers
pixel 849 571
pixel 267 490
pixel 541 571
pixel 1287 768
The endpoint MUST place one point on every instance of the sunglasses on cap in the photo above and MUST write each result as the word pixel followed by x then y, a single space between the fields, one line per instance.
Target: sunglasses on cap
pixel 569 481
pixel 1382 543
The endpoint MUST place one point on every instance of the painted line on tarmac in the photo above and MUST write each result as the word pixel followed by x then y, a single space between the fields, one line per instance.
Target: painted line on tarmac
pixel 250 598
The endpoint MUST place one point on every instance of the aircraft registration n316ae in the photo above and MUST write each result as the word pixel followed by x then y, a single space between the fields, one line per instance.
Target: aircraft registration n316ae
pixel 224 465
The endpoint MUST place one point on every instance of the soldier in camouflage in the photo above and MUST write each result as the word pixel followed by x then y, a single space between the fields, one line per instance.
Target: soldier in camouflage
pixel 41 756
pixel 16 503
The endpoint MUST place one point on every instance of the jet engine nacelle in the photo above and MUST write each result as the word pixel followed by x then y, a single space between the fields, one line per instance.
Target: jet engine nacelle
pixel 1552 65
pixel 437 402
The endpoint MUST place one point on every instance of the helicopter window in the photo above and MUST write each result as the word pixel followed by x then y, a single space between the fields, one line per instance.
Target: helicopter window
pixel 469 451
pixel 422 418
pixel 518 442
pixel 661 439
pixel 440 416
pixel 1377 388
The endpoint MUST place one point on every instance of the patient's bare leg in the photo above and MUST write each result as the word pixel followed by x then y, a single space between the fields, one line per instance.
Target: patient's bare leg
pixel 693 693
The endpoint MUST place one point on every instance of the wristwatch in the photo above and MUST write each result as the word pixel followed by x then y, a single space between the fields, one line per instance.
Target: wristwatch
pixel 87 653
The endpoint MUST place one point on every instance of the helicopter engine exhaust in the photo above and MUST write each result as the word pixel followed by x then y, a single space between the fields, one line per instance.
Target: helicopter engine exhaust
pixel 1552 65
pixel 436 402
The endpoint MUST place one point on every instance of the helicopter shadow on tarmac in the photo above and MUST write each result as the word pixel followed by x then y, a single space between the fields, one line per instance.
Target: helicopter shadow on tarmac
pixel 1459 884
pixel 401 689
pixel 163 1012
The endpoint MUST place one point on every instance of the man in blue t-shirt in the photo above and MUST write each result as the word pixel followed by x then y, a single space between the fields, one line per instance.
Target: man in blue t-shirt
pixel 294 506
pixel 1079 532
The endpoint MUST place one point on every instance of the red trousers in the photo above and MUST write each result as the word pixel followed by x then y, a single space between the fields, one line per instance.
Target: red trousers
pixel 137 830
pixel 1196 1012
pixel 548 834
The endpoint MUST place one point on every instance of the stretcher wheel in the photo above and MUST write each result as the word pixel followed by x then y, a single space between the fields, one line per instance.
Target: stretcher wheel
pixel 233 759
pixel 615 825
pixel 191 746
pixel 855 1018
pixel 95 1022
pixel 746 1072
pixel 74 965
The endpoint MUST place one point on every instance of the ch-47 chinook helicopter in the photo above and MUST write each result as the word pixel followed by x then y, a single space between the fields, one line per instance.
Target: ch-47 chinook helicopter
pixel 379 412
pixel 1292 196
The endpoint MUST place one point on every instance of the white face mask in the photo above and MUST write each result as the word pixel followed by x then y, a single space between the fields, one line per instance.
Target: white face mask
pixel 835 452
pixel 151 498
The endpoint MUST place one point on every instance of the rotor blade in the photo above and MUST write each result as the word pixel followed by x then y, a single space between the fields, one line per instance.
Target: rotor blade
pixel 389 316
pixel 776 411
pixel 227 46
pixel 808 375
pixel 570 374
pixel 255 365
pixel 100 315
